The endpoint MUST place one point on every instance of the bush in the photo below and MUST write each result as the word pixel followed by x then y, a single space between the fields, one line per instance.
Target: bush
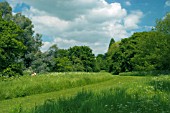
pixel 145 73
pixel 13 70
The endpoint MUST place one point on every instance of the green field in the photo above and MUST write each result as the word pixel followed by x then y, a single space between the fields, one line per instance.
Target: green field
pixel 85 93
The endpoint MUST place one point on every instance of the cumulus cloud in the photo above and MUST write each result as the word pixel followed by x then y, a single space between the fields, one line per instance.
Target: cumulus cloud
pixel 132 20
pixel 81 22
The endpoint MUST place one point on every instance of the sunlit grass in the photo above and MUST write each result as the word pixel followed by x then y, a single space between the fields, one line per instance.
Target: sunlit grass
pixel 27 85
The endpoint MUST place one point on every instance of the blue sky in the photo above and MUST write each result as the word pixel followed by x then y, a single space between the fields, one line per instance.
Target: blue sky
pixel 90 22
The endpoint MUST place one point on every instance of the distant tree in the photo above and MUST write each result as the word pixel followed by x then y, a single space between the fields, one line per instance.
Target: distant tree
pixel 101 62
pixel 41 63
pixel 63 64
pixel 82 56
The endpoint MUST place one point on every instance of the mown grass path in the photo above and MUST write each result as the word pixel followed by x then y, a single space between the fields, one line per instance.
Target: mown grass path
pixel 28 102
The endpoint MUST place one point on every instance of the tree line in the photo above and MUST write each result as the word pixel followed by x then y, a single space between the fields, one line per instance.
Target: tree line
pixel 143 51
pixel 20 50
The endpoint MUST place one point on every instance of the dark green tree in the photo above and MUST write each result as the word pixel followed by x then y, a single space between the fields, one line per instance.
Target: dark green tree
pixel 82 56
pixel 32 41
pixel 163 26
pixel 63 64
pixel 101 62
pixel 11 48
pixel 112 41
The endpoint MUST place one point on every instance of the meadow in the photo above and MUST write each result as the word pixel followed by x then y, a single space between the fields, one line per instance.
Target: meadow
pixel 44 83
pixel 87 93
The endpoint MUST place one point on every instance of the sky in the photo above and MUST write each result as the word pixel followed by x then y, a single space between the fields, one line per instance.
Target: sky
pixel 90 22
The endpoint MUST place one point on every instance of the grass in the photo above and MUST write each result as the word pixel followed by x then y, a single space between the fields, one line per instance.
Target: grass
pixel 27 85
pixel 161 83
pixel 119 94
pixel 108 101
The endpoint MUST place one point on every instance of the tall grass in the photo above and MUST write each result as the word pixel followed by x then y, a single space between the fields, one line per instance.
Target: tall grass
pixel 109 101
pixel 151 95
pixel 161 83
pixel 27 85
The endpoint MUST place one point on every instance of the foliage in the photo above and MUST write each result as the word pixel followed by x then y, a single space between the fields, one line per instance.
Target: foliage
pixel 5 10
pixel 162 25
pixel 33 43
pixel 83 57
pixel 74 59
pixel 112 41
pixel 101 62
pixel 40 63
pixel 11 48
pixel 143 51
pixel 17 39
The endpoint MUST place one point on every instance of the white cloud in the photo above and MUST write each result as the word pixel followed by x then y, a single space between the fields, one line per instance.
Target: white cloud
pixel 167 3
pixel 128 3
pixel 81 22
pixel 132 20
pixel 64 43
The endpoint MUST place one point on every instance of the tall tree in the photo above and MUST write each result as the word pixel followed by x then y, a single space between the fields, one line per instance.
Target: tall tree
pixel 11 48
pixel 112 41
pixel 32 41
pixel 163 26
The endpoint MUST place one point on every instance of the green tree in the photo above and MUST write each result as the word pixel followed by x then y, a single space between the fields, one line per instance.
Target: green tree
pixel 101 62
pixel 32 41
pixel 82 56
pixel 41 63
pixel 120 55
pixel 151 49
pixel 11 48
pixel 63 64
pixel 5 10
pixel 163 25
